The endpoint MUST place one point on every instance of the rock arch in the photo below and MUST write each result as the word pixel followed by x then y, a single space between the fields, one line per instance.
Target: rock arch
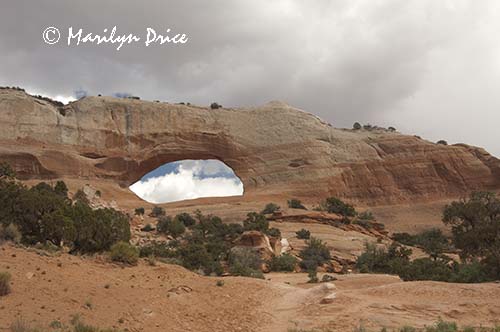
pixel 276 150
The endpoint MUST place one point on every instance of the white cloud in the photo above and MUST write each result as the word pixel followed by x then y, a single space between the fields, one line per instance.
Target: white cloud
pixel 189 182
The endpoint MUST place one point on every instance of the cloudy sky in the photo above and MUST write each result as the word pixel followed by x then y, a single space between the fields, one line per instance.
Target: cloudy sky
pixel 427 67
pixel 186 180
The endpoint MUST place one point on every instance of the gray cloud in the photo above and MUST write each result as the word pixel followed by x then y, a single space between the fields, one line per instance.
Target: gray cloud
pixel 427 67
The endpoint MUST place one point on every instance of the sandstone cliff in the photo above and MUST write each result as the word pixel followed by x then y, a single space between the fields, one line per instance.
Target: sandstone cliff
pixel 275 149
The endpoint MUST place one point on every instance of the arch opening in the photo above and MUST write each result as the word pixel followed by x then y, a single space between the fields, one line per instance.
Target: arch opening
pixel 188 179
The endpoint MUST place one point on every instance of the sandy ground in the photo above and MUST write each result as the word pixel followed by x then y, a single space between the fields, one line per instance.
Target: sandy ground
pixel 170 298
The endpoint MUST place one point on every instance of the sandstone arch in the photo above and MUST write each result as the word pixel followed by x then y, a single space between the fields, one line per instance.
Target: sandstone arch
pixel 276 150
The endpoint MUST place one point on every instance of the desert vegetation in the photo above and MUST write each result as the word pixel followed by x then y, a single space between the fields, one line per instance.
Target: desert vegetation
pixel 336 205
pixel 76 324
pixel 45 214
pixel 475 226
pixel 296 204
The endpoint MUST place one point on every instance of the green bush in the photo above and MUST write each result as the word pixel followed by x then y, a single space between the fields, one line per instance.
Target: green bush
pixel 61 189
pixel 148 228
pixel 316 253
pixel 186 219
pixel 270 208
pixel 442 326
pixel 296 204
pixel 157 211
pixel 10 233
pixel 313 276
pixel 285 262
pixel 215 106
pixel 405 238
pixel 442 142
pixel 98 230
pixel 335 205
pixel 256 222
pixel 158 249
pixel 139 211
pixel 4 283
pixel 366 215
pixel 80 196
pixel 245 262
pixel 475 227
pixel 356 126
pixel 6 171
pixel 196 255
pixel 173 227
pixel 396 260
pixel 43 214
pixel 274 232
pixel 303 234
pixel 124 253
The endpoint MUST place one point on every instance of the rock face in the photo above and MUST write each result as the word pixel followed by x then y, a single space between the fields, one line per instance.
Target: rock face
pixel 276 150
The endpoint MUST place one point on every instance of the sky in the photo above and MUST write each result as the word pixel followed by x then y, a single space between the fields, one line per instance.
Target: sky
pixel 188 179
pixel 427 67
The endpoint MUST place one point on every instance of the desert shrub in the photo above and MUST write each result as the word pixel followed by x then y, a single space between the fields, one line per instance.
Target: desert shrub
pixel 270 208
pixel 475 227
pixel 157 249
pixel 356 126
pixel 98 193
pixel 6 171
pixel 427 269
pixel 392 129
pixel 215 106
pixel 442 326
pixel 157 211
pixel 148 228
pixel 433 242
pixel 396 260
pixel 80 196
pixel 61 188
pixel 4 283
pixel 315 253
pixel 186 219
pixel 470 272
pixel 274 232
pixel 139 211
pixel 335 205
pixel 173 227
pixel 285 262
pixel 380 260
pixel 256 222
pixel 245 262
pixel 303 234
pixel 43 214
pixel 405 238
pixel 312 274
pixel 219 283
pixel 201 256
pixel 97 230
pixel 124 252
pixel 10 233
pixel 296 204
pixel 442 142
pixel 366 215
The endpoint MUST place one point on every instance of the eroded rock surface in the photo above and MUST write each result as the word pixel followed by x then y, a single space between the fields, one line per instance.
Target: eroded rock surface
pixel 276 150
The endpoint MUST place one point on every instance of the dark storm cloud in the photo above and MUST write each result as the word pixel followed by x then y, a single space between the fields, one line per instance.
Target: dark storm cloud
pixel 427 67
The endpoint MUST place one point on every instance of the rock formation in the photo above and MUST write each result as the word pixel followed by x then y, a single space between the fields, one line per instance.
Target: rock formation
pixel 276 150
